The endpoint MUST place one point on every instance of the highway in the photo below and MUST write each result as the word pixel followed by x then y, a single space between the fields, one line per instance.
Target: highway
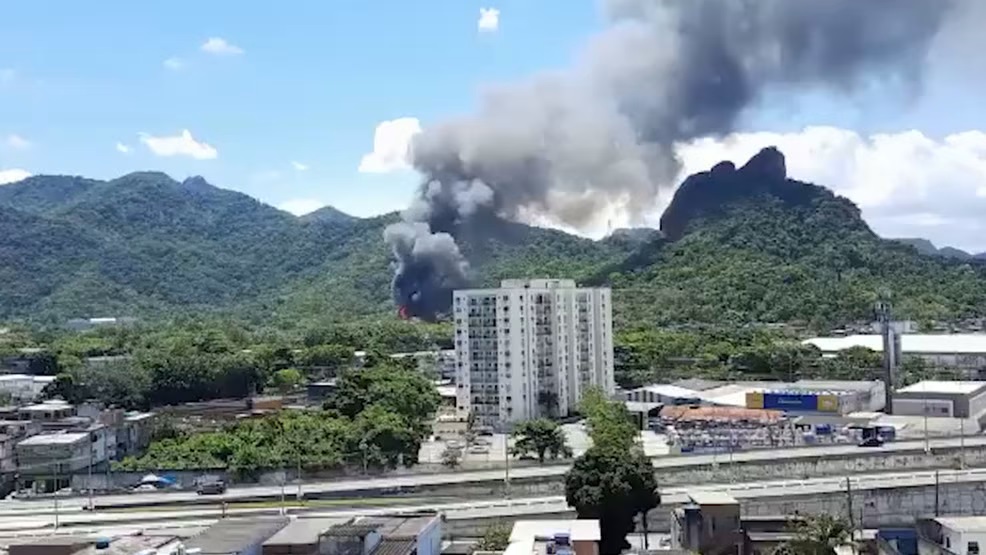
pixel 356 487
pixel 73 516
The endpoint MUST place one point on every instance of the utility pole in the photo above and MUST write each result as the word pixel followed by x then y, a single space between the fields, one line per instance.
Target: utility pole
pixel 852 525
pixel 506 466
pixel 89 479
pixel 937 496
pixel 299 476
pixel 284 477
pixel 962 443
pixel 927 445
pixel 891 348
pixel 56 493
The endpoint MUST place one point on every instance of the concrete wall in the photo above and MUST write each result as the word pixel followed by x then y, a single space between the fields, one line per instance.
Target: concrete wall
pixel 863 461
pixel 687 473
pixel 886 507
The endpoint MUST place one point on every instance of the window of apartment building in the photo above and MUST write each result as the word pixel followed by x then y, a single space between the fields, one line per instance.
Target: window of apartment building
pixel 972 548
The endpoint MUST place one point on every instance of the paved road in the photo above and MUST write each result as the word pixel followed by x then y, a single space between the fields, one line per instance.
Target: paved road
pixel 355 487
pixel 76 517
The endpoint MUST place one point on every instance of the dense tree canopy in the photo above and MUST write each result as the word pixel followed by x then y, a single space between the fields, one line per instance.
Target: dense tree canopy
pixel 385 431
pixel 750 248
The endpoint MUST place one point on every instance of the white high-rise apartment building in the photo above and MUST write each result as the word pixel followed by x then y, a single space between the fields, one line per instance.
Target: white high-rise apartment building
pixel 531 348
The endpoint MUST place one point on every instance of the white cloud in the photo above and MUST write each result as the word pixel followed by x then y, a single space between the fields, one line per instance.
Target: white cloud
pixel 220 47
pixel 906 184
pixel 174 64
pixel 489 20
pixel 183 144
pixel 17 142
pixel 301 206
pixel 391 146
pixel 299 166
pixel 13 175
pixel 123 149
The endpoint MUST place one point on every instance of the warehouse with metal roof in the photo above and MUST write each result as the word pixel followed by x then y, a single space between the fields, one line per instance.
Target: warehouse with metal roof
pixel 960 350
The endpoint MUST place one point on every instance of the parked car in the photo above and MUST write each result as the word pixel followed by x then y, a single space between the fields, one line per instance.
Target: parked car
pixel 479 449
pixel 873 441
pixel 216 487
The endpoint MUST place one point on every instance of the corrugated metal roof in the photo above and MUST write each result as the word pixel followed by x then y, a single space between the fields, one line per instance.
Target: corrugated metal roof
pixel 958 343
pixel 232 535
pixel 403 527
pixel 705 497
pixel 395 547
pixel 304 530
pixel 668 390
pixel 931 386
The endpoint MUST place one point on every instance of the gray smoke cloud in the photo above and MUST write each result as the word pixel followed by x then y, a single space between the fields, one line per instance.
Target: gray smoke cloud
pixel 602 133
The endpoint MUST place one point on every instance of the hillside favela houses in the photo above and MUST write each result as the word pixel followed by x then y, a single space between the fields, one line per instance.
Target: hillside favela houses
pixel 530 348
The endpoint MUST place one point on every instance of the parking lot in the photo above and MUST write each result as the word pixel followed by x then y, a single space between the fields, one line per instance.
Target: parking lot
pixel 491 449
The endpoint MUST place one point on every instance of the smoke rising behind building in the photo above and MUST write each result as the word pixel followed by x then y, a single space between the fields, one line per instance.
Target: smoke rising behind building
pixel 571 145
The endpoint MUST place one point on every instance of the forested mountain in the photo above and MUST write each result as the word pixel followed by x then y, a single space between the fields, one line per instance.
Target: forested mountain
pixel 751 245
pixel 145 244
pixel 735 246
pixel 925 246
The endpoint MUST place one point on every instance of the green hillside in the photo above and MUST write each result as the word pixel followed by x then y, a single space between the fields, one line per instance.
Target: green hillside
pixel 736 246
pixel 147 245
pixel 750 245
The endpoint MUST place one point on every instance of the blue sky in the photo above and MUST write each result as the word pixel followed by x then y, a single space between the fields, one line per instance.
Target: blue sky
pixel 312 82
pixel 309 82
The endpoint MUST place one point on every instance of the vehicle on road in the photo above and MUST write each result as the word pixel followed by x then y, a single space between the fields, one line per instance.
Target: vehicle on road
pixel 873 441
pixel 216 487
pixel 479 449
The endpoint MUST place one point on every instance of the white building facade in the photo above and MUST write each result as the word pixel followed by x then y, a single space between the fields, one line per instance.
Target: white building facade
pixel 531 348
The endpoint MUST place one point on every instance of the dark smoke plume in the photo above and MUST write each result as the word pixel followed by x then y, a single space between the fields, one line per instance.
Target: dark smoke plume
pixel 601 135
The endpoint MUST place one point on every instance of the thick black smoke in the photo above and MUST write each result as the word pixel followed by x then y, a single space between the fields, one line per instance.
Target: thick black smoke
pixel 573 145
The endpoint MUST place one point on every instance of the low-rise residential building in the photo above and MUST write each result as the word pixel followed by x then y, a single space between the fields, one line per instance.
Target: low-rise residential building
pixel 405 534
pixel 134 436
pixel 8 456
pixel 708 523
pixel 953 535
pixel 557 537
pixel 48 411
pixel 23 388
pixel 45 462
pixel 236 536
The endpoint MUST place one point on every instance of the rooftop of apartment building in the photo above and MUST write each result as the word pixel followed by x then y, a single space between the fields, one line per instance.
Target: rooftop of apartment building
pixel 303 531
pixel 57 438
pixel 128 545
pixel 532 537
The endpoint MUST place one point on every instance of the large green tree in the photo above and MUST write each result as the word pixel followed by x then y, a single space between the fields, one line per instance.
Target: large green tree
pixel 613 481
